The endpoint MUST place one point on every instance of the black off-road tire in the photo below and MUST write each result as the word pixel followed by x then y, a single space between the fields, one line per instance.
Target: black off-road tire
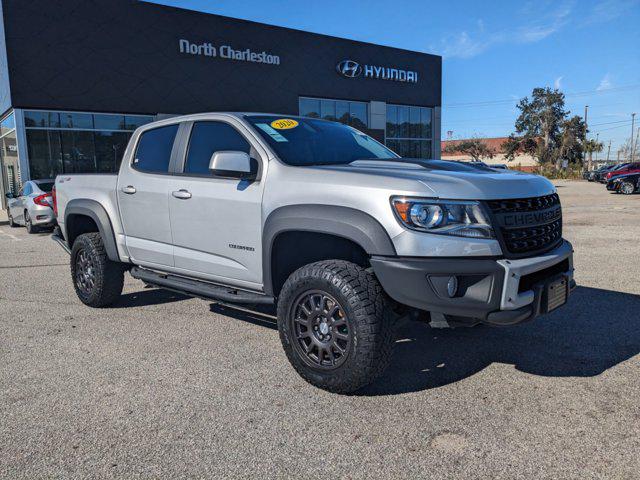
pixel 369 322
pixel 88 255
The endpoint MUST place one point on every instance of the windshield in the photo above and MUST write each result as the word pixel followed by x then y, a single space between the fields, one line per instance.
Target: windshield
pixel 307 141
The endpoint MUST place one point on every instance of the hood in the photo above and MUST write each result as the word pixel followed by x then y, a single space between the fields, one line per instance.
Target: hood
pixel 453 180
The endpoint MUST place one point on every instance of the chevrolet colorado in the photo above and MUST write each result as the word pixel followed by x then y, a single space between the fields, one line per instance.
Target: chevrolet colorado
pixel 321 221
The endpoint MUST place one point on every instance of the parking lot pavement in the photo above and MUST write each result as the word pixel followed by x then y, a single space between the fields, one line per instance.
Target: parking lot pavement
pixel 165 386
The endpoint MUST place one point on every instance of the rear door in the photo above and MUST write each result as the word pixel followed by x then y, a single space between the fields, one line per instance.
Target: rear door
pixel 143 197
pixel 217 224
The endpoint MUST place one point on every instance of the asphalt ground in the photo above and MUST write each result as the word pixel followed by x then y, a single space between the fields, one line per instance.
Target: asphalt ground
pixel 166 386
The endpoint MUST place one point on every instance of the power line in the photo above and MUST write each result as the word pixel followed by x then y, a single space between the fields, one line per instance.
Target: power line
pixel 567 95
pixel 612 128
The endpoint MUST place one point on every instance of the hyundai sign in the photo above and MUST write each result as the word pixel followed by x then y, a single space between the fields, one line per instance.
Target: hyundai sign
pixel 352 69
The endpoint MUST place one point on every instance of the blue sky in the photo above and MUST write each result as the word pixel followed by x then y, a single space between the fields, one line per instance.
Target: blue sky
pixel 493 52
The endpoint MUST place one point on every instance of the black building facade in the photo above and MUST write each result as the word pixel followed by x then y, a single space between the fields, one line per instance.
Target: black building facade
pixel 78 76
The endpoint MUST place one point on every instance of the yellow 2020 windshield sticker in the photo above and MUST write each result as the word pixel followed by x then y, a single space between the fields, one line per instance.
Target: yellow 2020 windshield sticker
pixel 284 124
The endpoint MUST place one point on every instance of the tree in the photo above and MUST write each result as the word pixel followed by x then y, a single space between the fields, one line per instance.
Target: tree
pixel 474 147
pixel 572 140
pixel 514 145
pixel 541 117
pixel 545 131
pixel 591 146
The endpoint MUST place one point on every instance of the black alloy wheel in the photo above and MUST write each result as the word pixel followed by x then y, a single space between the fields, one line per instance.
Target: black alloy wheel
pixel 336 325
pixel 322 334
pixel 97 280
pixel 85 272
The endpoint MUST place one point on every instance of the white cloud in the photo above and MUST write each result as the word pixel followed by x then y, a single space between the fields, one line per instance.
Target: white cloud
pixel 557 84
pixel 468 44
pixel 607 10
pixel 605 83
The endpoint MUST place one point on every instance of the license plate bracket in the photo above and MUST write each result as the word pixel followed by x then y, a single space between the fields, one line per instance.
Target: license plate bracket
pixel 556 292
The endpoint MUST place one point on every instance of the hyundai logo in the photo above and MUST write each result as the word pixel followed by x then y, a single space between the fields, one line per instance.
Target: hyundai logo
pixel 349 68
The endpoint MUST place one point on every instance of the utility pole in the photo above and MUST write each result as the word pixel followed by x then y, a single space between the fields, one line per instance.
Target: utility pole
pixel 608 151
pixel 586 134
pixel 633 147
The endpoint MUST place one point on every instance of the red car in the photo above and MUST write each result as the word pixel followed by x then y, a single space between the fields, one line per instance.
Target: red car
pixel 631 168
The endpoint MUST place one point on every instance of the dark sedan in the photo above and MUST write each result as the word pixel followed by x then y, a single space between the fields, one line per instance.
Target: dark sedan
pixel 626 184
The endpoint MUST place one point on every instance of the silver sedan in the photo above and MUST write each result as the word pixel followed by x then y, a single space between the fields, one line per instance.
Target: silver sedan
pixel 33 206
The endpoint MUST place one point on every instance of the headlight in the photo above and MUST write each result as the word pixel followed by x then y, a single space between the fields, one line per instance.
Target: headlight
pixel 444 217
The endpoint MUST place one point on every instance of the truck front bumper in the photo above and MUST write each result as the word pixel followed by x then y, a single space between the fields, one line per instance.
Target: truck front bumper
pixel 497 292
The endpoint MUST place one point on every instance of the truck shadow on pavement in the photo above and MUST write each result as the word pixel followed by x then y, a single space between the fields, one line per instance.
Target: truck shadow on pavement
pixel 595 331
pixel 150 296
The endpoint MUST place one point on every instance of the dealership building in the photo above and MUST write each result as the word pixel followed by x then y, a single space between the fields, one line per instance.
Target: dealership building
pixel 78 76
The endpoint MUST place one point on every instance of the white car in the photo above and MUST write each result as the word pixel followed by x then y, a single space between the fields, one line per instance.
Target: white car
pixel 32 207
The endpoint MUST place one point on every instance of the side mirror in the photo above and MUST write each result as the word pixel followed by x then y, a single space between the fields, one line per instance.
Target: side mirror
pixel 233 164
pixel 9 195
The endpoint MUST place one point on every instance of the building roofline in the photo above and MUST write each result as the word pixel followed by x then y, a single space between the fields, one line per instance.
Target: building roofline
pixel 296 30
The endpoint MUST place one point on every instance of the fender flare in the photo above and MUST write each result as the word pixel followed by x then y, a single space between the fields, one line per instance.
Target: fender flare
pixel 95 211
pixel 349 223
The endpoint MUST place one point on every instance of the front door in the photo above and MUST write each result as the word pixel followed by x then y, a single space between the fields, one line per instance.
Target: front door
pixel 143 198
pixel 217 222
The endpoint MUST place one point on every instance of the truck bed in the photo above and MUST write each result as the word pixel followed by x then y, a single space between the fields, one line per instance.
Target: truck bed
pixel 100 188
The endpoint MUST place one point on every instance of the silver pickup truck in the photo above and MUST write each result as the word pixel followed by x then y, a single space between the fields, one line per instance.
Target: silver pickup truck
pixel 321 221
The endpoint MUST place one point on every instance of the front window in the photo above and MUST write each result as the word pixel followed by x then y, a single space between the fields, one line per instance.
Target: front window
pixel 317 142
pixel 409 131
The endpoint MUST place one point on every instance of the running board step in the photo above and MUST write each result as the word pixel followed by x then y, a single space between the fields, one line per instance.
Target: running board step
pixel 198 288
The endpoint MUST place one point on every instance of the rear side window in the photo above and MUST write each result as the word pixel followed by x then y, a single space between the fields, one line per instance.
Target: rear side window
pixel 154 149
pixel 46 187
pixel 208 138
pixel 28 189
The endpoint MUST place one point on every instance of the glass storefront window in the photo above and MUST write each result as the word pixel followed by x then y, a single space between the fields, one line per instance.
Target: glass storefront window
pixel 409 132
pixel 131 122
pixel 110 147
pixel 109 122
pixel 45 154
pixel 78 152
pixel 9 161
pixel 76 142
pixel 392 121
pixel 328 110
pixel 42 119
pixel 7 124
pixel 359 115
pixel 342 112
pixel 76 120
pixel 355 114
pixel 309 107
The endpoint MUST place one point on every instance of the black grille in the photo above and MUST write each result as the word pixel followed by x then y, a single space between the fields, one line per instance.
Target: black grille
pixel 521 205
pixel 530 234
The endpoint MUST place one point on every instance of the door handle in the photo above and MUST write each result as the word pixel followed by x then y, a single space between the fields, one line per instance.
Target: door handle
pixel 129 190
pixel 182 194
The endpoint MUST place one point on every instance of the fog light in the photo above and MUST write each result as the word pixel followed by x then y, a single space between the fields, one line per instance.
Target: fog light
pixel 452 286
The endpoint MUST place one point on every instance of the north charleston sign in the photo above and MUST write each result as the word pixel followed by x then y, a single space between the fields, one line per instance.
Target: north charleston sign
pixel 227 52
